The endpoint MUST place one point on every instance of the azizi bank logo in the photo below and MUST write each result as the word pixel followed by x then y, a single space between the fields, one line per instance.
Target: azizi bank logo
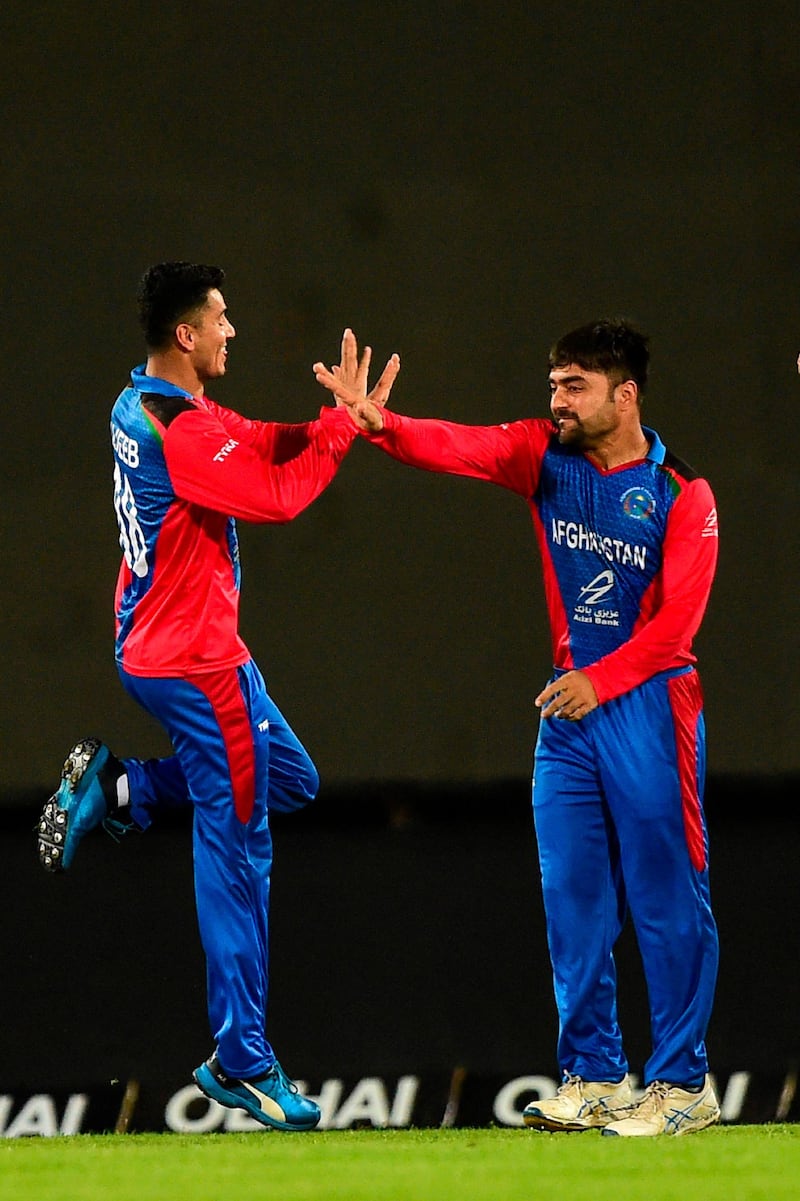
pixel 588 610
pixel 594 592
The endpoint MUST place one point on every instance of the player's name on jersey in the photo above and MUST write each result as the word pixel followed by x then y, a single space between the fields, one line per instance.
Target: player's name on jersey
pixel 126 447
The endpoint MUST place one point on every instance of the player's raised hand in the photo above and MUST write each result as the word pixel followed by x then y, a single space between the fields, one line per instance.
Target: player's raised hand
pixel 348 383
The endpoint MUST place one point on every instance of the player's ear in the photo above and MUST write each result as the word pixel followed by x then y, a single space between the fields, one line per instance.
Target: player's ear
pixel 627 393
pixel 184 335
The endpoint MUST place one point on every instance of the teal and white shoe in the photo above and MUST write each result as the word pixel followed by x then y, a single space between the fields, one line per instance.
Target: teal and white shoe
pixel 85 797
pixel 273 1099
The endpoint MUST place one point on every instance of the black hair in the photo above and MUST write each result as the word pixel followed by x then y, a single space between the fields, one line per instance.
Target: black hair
pixel 169 292
pixel 611 346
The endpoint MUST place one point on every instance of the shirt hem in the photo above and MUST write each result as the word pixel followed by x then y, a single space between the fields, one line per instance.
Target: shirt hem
pixel 181 670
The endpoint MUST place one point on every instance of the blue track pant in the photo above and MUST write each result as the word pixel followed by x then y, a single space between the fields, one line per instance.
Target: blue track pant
pixel 235 759
pixel 617 803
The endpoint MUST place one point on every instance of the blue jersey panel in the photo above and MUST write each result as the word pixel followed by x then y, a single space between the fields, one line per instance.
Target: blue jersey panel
pixel 142 497
pixel 605 532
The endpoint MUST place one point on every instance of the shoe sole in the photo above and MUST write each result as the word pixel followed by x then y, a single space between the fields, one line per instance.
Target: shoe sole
pixel 53 826
pixel 535 1122
pixel 212 1089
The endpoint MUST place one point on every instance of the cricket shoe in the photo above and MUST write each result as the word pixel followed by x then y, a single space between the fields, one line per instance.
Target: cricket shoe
pixel 580 1105
pixel 85 798
pixel 669 1109
pixel 273 1099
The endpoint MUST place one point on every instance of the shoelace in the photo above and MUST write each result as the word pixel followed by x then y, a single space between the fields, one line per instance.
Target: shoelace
pixel 116 828
pixel 283 1078
pixel 654 1097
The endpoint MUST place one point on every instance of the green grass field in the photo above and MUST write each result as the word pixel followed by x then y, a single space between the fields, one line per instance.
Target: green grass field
pixel 735 1163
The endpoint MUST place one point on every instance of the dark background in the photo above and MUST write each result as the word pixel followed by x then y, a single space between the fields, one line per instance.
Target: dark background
pixel 461 183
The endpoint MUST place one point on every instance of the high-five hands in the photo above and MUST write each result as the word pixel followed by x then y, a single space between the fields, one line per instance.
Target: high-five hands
pixel 348 383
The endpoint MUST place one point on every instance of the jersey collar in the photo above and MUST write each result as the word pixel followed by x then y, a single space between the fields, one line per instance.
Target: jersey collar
pixel 658 450
pixel 152 383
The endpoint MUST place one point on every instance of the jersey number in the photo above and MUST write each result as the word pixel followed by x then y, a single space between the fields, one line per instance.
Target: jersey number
pixel 131 536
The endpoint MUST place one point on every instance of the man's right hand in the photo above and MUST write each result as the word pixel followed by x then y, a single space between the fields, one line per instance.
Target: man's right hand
pixel 348 381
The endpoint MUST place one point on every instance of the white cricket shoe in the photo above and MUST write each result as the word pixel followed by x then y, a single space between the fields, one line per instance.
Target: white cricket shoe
pixel 580 1105
pixel 669 1109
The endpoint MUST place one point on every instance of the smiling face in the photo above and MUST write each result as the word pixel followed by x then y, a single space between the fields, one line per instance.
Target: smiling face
pixel 206 337
pixel 584 405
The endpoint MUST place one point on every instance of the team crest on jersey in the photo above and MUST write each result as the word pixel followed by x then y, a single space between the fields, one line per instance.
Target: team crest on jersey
pixel 638 503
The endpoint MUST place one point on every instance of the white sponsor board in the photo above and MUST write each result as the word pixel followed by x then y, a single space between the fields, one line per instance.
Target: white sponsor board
pixel 371 1102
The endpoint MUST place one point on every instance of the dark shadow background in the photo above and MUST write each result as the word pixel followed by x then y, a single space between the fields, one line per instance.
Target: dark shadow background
pixel 460 182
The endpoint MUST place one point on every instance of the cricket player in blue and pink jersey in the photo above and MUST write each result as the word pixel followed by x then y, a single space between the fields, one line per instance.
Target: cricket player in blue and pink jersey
pixel 628 539
pixel 185 469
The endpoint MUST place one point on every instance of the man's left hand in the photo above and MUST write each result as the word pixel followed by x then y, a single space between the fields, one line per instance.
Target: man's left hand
pixel 570 697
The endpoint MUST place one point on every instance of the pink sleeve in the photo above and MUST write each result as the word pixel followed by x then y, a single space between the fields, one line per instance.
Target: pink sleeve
pixel 509 454
pixel 231 466
pixel 274 441
pixel 674 604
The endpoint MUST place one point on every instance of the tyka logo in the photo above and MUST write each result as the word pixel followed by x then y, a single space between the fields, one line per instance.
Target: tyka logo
pixel 594 592
pixel 225 450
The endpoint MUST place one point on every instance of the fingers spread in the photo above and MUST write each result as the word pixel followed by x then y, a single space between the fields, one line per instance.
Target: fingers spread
pixel 380 393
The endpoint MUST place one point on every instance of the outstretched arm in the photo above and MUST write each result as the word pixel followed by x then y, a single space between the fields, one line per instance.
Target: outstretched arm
pixel 265 471
pixel 209 467
pixel 278 442
pixel 508 455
